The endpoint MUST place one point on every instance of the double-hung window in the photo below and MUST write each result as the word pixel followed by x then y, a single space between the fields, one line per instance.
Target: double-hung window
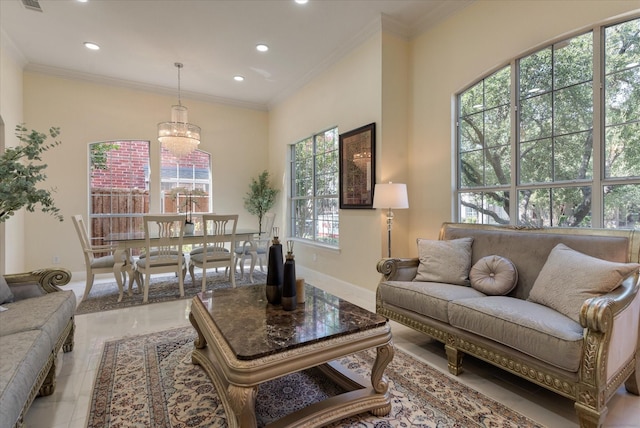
pixel 314 188
pixel 553 138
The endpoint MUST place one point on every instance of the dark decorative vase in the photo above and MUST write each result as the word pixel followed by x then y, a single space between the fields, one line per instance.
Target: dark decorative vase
pixel 289 300
pixel 275 272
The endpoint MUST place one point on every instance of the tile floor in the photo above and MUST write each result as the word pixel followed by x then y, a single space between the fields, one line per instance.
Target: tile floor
pixel 68 406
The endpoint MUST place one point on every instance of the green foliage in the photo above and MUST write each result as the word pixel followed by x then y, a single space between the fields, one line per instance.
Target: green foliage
pixel 21 170
pixel 99 153
pixel 554 138
pixel 261 197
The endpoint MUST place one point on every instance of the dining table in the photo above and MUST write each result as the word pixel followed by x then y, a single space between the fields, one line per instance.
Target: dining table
pixel 126 241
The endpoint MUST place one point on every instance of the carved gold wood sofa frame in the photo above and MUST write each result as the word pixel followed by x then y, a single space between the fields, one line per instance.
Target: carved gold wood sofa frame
pixel 41 282
pixel 610 322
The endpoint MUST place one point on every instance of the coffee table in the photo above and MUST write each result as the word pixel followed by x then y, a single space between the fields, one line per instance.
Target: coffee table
pixel 244 341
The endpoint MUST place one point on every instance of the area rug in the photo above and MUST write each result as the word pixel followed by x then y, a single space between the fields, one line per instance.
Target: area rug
pixel 104 296
pixel 149 381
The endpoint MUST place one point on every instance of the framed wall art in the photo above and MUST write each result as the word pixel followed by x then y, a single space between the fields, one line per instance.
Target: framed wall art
pixel 357 167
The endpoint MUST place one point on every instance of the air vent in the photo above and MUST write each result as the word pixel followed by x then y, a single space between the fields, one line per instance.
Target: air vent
pixel 32 4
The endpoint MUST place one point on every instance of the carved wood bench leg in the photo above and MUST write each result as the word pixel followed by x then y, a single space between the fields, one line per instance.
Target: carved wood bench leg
pixel 454 358
pixel 49 384
pixel 67 346
pixel 633 382
pixel 590 417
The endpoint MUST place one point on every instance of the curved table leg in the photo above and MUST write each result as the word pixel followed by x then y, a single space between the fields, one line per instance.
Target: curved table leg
pixel 378 380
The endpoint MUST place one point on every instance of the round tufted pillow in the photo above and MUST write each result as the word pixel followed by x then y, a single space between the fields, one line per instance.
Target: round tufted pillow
pixel 494 275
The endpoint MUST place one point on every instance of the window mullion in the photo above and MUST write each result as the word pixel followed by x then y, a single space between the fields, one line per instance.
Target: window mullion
pixel 597 202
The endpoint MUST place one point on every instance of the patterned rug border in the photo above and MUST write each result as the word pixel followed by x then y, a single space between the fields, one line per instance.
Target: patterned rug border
pixel 421 394
pixel 104 296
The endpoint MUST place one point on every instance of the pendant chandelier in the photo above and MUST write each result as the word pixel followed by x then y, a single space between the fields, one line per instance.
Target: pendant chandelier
pixel 179 136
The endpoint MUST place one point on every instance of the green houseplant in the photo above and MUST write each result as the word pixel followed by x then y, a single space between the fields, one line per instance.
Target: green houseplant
pixel 21 169
pixel 261 197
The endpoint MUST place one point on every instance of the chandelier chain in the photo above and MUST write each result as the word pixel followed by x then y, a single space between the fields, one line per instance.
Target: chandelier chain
pixel 179 66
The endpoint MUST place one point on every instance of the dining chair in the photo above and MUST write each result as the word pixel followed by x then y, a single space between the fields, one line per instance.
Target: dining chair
pixel 257 248
pixel 163 234
pixel 218 241
pixel 101 264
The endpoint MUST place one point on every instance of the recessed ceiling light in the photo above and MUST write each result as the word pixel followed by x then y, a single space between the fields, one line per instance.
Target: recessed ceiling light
pixel 92 46
pixel 83 1
pixel 302 1
pixel 238 78
pixel 262 47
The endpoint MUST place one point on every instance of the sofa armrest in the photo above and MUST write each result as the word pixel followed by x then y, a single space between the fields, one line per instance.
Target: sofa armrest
pixel 37 282
pixel 612 336
pixel 398 269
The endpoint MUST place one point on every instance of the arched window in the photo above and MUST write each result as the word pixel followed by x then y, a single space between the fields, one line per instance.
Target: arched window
pixel 550 141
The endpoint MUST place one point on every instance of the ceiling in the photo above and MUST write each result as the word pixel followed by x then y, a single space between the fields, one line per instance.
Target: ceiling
pixel 141 40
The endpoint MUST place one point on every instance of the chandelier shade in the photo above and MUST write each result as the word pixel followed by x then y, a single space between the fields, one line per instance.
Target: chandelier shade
pixel 179 136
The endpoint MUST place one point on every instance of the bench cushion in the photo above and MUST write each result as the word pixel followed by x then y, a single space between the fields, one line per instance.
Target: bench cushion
pixel 425 298
pixel 24 354
pixel 528 327
pixel 54 311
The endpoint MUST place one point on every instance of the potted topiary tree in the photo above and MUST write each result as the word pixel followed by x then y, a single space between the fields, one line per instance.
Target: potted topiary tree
pixel 261 197
pixel 21 170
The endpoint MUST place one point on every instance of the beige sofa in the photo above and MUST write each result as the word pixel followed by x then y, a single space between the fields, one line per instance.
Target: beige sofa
pixel 584 350
pixel 37 321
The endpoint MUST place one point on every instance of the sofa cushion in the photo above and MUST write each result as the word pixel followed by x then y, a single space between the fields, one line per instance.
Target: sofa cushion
pixel 444 261
pixel 54 312
pixel 24 355
pixel 6 295
pixel 568 278
pixel 429 299
pixel 528 327
pixel 494 275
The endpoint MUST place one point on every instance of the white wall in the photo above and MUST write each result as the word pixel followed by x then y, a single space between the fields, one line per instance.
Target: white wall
pixel 12 247
pixel 347 95
pixel 88 112
pixel 481 37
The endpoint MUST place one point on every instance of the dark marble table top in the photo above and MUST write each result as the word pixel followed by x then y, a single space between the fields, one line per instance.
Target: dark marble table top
pixel 254 328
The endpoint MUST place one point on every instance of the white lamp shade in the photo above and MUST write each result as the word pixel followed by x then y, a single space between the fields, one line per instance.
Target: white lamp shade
pixel 390 195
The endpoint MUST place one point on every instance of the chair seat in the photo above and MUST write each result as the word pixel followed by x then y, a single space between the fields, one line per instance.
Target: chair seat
pixel 155 253
pixel 142 263
pixel 200 250
pixel 212 256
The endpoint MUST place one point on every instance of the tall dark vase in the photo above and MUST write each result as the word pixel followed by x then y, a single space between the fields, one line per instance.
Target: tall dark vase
pixel 289 300
pixel 275 272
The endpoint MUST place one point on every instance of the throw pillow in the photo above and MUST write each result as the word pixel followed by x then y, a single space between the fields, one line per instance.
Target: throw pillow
pixel 494 275
pixel 569 277
pixel 6 296
pixel 445 261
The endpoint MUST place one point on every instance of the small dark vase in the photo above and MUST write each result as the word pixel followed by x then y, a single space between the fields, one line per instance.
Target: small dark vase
pixel 275 273
pixel 289 300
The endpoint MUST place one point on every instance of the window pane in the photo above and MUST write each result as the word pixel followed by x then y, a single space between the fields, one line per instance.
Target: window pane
pixel 327 224
pixel 573 108
pixel 535 118
pixel 472 169
pixel 497 89
pixel 623 96
pixel 186 185
pixel 471 132
pixel 497 126
pixel 622 206
pixel 622 44
pixel 484 207
pixel 573 61
pixel 119 196
pixel 573 157
pixel 622 156
pixel 535 73
pixel 303 218
pixel 472 100
pixel 535 162
pixel 568 207
pixel 497 165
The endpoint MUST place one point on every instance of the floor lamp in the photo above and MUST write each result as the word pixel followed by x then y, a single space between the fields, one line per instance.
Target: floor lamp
pixel 390 196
